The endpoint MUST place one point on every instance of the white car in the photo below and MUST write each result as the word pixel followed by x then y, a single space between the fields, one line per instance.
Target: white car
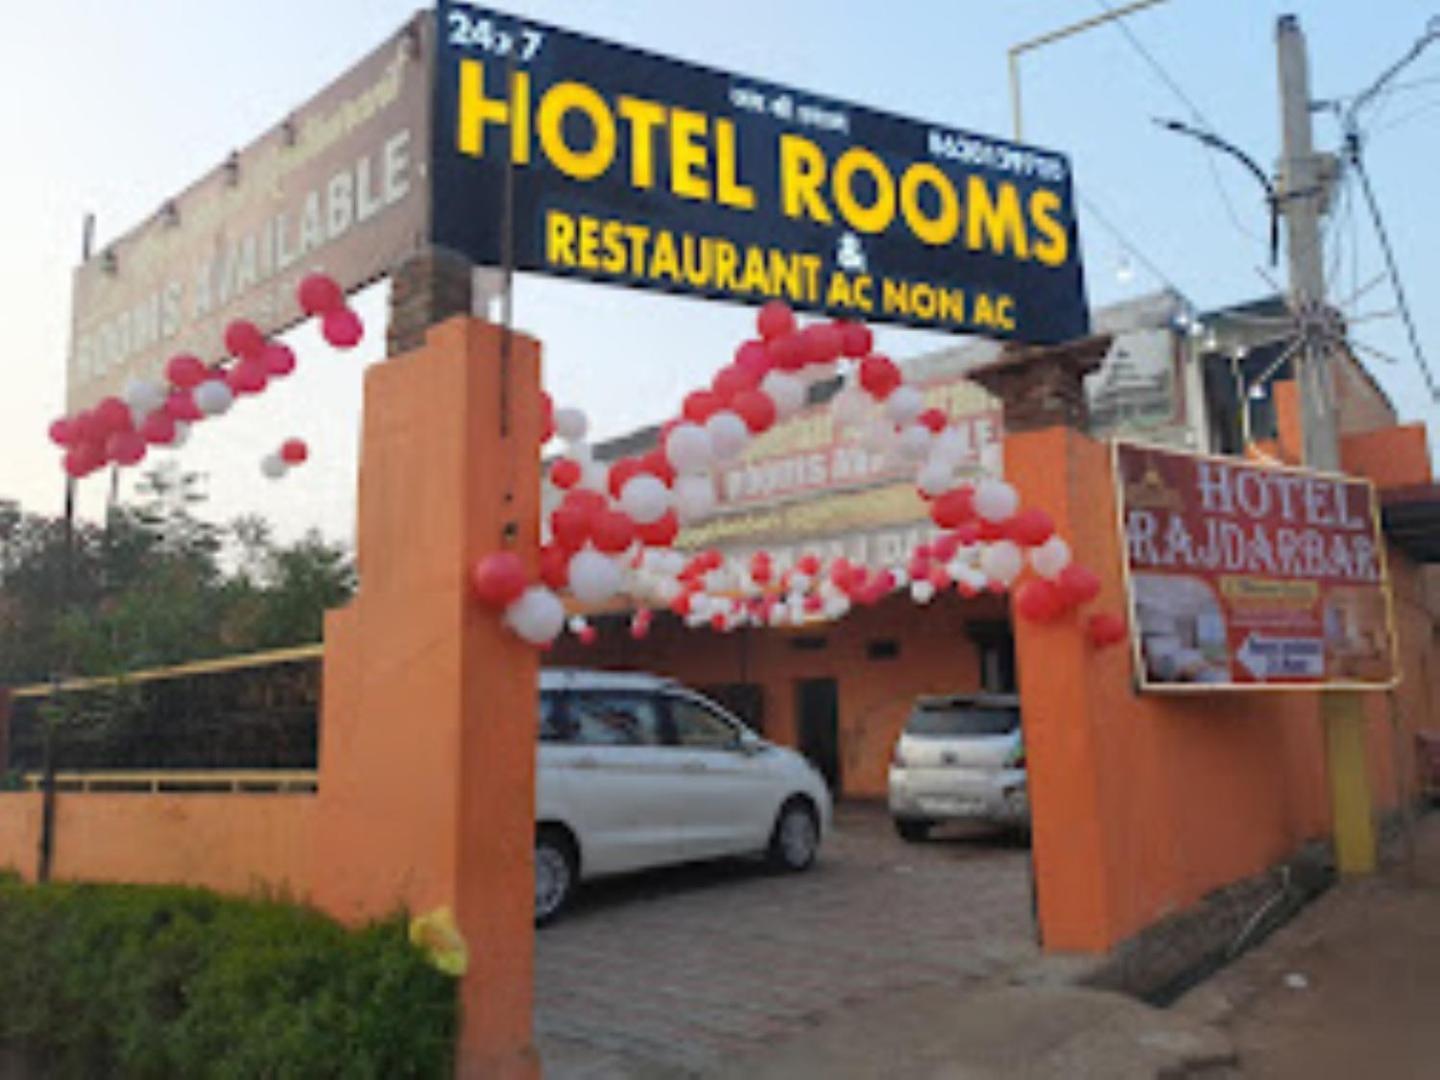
pixel 635 771
pixel 960 758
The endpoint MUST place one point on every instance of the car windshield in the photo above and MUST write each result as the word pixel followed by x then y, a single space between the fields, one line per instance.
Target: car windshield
pixel 953 718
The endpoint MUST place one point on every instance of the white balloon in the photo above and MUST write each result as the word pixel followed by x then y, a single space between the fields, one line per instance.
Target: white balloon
pixel 728 435
pixel 935 478
pixel 645 498
pixel 952 446
pixel 537 616
pixel 577 623
pixel 1050 558
pixel 913 442
pixel 922 592
pixel 571 424
pixel 213 397
pixel 595 476
pixel 694 496
pixel 995 500
pixel 786 390
pixel 273 466
pixel 1002 561
pixel 904 404
pixel 849 407
pixel 144 396
pixel 581 452
pixel 688 448
pixel 182 435
pixel 594 578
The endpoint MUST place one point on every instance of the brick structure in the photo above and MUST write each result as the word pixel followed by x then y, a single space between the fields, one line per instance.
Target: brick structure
pixel 427 288
pixel 1044 386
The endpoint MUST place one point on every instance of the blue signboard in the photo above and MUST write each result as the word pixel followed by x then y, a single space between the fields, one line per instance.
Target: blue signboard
pixel 639 170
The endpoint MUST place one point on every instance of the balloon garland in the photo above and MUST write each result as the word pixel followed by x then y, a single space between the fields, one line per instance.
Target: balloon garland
pixel 611 528
pixel 120 430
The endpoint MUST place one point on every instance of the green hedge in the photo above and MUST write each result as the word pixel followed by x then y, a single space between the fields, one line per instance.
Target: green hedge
pixel 155 981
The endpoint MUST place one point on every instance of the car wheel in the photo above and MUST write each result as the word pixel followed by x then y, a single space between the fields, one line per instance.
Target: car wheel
pixel 796 838
pixel 556 870
pixel 913 831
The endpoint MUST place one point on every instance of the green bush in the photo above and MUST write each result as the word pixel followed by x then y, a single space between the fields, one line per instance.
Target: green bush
pixel 156 981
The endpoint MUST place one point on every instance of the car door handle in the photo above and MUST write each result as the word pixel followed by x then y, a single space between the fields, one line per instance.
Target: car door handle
pixel 587 762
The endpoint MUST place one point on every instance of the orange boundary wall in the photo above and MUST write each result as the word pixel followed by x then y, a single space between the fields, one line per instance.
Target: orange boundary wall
pixel 1145 803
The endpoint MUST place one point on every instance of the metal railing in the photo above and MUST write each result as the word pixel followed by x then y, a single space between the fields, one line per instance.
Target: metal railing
pixel 188 781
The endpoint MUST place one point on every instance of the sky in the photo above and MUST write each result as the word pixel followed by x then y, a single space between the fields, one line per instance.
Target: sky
pixel 112 108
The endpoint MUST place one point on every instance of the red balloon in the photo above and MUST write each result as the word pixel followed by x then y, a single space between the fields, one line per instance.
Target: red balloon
pixel 319 294
pixel 640 624
pixel 1038 601
pixel 953 509
pixel 565 473
pixel 278 359
pixel 1031 527
pixel 158 428
pixel 612 531
pixel 554 566
pixel 181 406
pixel 111 416
pixel 733 380
pixel 186 371
pixel 621 473
pixel 125 448
pixel 342 328
pixel 1104 629
pixel 82 459
pixel 1078 584
pixel 821 343
pixel 752 357
pixel 856 340
pixel 775 320
pixel 809 565
pixel 786 353
pixel 590 502
pixel 547 418
pixel 943 547
pixel 660 533
pixel 813 603
pixel 717 622
pixel 934 419
pixel 700 405
pixel 587 635
pixel 248 377
pixel 498 579
pixel 294 451
pixel 969 533
pixel 879 376
pixel 62 431
pixel 658 465
pixel 938 576
pixel 244 339
pixel 757 409
pixel 570 526
pixel 991 530
pixel 761 569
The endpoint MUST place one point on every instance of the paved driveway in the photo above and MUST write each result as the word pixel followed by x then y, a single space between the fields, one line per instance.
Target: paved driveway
pixel 672 973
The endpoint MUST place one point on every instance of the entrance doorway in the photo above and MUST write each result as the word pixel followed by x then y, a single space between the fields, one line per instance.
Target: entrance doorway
pixel 817 714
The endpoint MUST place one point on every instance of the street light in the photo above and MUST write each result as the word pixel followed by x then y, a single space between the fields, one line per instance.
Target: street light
pixel 1057 35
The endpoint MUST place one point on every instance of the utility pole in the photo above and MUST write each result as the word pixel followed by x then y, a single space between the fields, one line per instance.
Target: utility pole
pixel 1301 196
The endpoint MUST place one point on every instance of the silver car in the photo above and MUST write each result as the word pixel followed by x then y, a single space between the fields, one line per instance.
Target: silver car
pixel 960 758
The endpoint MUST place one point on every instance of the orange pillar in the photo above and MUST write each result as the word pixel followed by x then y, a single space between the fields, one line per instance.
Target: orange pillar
pixel 427 765
pixel 1062 470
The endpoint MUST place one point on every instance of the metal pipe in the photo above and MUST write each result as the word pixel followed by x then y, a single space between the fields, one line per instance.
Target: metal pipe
pixel 1057 35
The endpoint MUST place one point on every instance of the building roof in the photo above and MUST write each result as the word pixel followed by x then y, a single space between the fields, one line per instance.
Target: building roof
pixel 1411 518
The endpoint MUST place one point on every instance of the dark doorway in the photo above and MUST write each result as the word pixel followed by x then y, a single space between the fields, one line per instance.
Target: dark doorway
pixel 817 714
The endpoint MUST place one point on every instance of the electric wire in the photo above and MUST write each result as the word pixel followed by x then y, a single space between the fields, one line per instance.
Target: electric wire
pixel 1392 268
pixel 1203 121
